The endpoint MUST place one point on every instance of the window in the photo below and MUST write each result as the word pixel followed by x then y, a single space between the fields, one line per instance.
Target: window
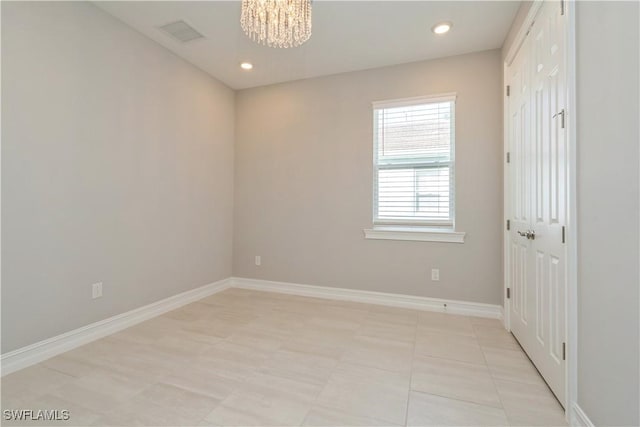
pixel 414 162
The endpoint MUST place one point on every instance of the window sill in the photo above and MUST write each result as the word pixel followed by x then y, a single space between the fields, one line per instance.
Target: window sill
pixel 420 234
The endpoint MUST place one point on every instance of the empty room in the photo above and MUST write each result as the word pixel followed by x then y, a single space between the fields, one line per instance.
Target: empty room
pixel 320 213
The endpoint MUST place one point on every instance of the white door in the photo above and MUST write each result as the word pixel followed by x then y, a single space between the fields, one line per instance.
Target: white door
pixel 538 197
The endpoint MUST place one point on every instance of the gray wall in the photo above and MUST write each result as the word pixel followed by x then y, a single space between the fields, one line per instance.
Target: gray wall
pixel 303 179
pixel 608 211
pixel 117 166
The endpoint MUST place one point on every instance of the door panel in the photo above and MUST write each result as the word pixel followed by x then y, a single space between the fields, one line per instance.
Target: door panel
pixel 540 299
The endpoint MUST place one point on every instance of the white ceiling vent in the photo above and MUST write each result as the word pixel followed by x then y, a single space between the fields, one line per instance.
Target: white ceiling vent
pixel 181 31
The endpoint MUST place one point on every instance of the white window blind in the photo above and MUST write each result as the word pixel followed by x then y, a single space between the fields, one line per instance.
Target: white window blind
pixel 414 161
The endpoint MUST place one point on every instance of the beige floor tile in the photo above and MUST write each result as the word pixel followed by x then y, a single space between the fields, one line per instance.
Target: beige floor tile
pixel 454 379
pixel 97 401
pixel 17 401
pixel 243 357
pixel 344 311
pixel 302 367
pixel 194 404
pixel 215 328
pixel 449 346
pixel 202 381
pixel 257 339
pixel 86 360
pixel 176 345
pixel 30 383
pixel 490 337
pixel 323 417
pixel 444 323
pixel 253 406
pixel 530 405
pixel 279 322
pixel 231 360
pixel 113 383
pixel 149 365
pixel 328 322
pixel 142 361
pixel 236 315
pixel 299 305
pixel 105 351
pixel 368 392
pixel 199 337
pixel 141 334
pixel 37 376
pixel 70 366
pixel 150 415
pixel 393 314
pixel 380 353
pixel 483 321
pixel 321 341
pixel 285 385
pixel 375 326
pixel 173 405
pixel 108 350
pixel 127 417
pixel 431 410
pixel 114 344
pixel 257 413
pixel 511 365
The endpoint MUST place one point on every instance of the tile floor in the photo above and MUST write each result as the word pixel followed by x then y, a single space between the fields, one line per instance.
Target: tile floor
pixel 254 358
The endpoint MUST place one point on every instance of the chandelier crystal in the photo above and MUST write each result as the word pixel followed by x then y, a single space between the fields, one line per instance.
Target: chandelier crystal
pixel 277 23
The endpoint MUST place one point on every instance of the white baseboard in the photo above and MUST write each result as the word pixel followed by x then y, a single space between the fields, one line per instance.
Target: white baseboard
pixel 35 353
pixel 381 298
pixel 579 418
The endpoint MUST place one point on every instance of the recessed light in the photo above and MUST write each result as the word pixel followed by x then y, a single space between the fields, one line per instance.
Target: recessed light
pixel 442 27
pixel 246 65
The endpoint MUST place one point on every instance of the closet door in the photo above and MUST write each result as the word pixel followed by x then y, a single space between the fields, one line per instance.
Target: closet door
pixel 539 206
pixel 520 175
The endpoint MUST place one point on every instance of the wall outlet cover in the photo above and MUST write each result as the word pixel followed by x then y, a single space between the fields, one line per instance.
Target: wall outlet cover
pixel 96 290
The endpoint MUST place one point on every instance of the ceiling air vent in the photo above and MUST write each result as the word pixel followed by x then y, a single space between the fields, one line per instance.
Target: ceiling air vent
pixel 181 31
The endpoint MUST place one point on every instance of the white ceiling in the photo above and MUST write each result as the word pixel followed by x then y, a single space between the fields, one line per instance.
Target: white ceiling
pixel 347 35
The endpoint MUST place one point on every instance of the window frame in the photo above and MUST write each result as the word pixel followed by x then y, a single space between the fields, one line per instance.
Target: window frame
pixel 404 224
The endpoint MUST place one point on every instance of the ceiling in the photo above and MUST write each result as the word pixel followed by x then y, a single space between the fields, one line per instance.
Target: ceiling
pixel 347 35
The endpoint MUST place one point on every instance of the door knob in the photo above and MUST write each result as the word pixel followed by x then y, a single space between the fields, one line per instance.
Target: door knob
pixel 529 234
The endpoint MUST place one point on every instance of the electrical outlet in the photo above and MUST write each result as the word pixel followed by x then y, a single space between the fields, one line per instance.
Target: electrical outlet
pixel 435 274
pixel 258 260
pixel 96 290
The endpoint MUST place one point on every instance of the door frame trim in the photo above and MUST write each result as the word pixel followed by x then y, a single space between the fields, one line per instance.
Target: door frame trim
pixel 572 217
pixel 571 308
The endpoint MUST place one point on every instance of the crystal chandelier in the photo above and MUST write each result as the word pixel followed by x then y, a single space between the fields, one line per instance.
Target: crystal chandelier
pixel 277 23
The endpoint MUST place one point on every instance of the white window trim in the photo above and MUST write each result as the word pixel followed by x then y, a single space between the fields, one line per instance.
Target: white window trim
pixel 419 234
pixel 425 231
pixel 403 102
